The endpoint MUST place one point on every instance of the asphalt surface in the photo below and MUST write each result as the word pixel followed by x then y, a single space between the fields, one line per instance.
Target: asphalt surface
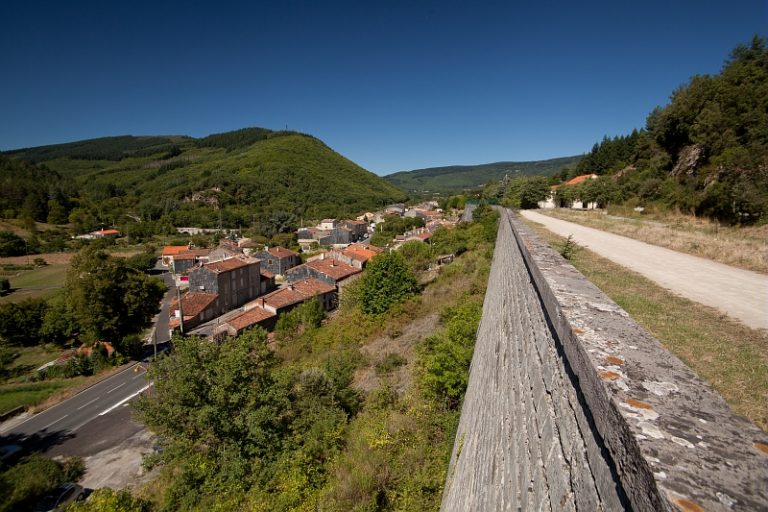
pixel 97 417
pixel 741 294
pixel 63 422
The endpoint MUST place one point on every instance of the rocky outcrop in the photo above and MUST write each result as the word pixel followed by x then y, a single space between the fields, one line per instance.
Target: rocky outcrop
pixel 689 160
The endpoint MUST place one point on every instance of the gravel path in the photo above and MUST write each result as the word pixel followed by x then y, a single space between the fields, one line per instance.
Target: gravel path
pixel 739 293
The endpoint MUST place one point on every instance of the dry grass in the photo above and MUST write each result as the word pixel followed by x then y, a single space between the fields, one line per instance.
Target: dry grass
pixel 742 247
pixel 729 356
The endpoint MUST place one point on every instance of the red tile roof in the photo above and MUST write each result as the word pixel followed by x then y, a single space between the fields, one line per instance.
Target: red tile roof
pixel 193 303
pixel 249 318
pixel 333 268
pixel 294 293
pixel 192 254
pixel 281 252
pixel 580 179
pixel 107 232
pixel 228 264
pixel 172 250
pixel 312 287
pixel 267 274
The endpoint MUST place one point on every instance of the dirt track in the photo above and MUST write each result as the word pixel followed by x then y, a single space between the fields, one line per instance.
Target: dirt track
pixel 739 293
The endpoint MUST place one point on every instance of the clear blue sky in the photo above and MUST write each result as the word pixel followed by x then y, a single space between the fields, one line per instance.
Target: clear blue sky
pixel 391 85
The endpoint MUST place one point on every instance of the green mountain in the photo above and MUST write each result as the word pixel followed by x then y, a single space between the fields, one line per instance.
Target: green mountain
pixel 704 153
pixel 251 178
pixel 457 178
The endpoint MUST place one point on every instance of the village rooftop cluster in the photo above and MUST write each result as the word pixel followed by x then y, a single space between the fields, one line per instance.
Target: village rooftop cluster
pixel 240 284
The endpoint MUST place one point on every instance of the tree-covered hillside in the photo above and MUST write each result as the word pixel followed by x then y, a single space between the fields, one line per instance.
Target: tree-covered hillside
pixel 250 178
pixel 705 153
pixel 456 178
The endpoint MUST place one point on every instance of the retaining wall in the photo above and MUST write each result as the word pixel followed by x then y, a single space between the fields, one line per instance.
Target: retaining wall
pixel 572 406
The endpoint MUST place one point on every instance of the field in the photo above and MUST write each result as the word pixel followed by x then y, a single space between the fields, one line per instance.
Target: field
pixel 730 357
pixel 742 247
pixel 41 282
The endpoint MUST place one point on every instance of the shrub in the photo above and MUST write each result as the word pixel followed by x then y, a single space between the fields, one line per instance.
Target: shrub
pixel 387 281
pixel 389 362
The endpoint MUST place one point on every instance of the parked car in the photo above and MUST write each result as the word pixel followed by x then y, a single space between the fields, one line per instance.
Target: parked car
pixel 10 453
pixel 60 497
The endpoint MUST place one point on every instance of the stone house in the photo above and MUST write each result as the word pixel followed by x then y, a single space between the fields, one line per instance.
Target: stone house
pixel 277 259
pixel 254 317
pixel 328 270
pixel 291 296
pixel 354 255
pixel 197 307
pixel 358 229
pixel 183 261
pixel 235 280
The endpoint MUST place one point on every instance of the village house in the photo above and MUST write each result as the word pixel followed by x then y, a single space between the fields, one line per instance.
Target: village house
pixel 290 296
pixel 180 263
pixel 267 282
pixel 277 259
pixel 358 229
pixel 395 209
pixel 169 251
pixel 225 250
pixel 254 317
pixel 552 201
pixel 197 308
pixel 235 280
pixel 354 255
pixel 328 270
pixel 327 224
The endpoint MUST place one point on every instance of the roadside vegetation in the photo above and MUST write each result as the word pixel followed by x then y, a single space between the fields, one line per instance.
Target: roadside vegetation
pixel 92 323
pixel 729 356
pixel 358 413
pixel 22 485
pixel 743 247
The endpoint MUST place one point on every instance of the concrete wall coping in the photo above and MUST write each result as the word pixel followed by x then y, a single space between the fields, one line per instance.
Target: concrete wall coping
pixel 675 442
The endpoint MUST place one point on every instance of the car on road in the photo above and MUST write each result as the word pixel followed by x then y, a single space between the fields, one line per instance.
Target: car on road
pixel 10 453
pixel 60 497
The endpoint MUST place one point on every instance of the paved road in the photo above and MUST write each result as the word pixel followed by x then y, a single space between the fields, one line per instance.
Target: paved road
pixel 67 428
pixel 741 294
pixel 161 320
pixel 69 416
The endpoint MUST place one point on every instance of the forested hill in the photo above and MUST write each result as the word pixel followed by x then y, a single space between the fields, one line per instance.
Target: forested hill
pixel 252 178
pixel 461 177
pixel 705 153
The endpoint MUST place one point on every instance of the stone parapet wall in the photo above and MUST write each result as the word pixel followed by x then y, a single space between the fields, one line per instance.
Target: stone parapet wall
pixel 572 406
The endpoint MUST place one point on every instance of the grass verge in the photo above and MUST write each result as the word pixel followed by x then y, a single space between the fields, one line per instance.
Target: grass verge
pixel 729 356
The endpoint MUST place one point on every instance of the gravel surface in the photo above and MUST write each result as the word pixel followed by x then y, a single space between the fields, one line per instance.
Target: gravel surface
pixel 741 294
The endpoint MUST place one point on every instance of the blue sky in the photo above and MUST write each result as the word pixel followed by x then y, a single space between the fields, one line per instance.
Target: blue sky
pixel 391 85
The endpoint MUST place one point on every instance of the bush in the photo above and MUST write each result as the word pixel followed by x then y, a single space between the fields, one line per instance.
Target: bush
pixel 387 281
pixel 389 362
pixel 5 286
pixel 28 481
pixel 111 500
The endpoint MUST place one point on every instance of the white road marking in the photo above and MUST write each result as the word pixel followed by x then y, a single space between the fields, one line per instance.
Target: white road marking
pixel 54 422
pixel 114 388
pixel 89 403
pixel 121 402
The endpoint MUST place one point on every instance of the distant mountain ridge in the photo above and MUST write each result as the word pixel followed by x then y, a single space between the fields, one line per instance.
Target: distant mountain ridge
pixel 455 178
pixel 253 177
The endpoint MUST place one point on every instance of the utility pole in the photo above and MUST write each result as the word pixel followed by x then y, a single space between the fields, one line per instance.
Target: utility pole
pixel 181 311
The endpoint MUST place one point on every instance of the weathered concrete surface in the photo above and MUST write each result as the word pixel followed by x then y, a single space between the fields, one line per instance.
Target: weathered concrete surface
pixel 523 440
pixel 573 406
pixel 740 293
